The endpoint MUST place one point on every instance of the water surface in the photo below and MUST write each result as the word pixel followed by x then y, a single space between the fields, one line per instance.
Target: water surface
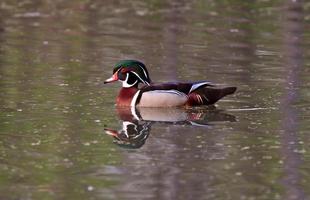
pixel 61 136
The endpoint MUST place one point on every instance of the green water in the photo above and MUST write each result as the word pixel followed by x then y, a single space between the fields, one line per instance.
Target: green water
pixel 55 110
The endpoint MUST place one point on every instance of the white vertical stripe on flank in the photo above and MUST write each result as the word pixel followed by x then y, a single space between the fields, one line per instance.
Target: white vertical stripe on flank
pixel 134 99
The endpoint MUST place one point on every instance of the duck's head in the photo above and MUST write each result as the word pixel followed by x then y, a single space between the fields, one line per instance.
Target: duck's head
pixel 130 73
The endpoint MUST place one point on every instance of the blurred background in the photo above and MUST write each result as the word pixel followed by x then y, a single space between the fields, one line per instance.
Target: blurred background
pixel 55 55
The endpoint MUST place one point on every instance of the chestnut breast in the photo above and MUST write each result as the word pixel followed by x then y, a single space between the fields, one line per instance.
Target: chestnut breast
pixel 125 96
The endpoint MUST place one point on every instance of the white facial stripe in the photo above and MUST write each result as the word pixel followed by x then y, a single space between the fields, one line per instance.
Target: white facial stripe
pixel 125 84
pixel 117 71
pixel 143 71
pixel 138 77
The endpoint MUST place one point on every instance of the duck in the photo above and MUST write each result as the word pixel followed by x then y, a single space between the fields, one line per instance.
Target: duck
pixel 139 91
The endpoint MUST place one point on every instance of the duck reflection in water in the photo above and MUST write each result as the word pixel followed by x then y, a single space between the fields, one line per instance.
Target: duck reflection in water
pixel 137 122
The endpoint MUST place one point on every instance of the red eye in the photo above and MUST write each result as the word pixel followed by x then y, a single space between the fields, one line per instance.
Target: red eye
pixel 124 70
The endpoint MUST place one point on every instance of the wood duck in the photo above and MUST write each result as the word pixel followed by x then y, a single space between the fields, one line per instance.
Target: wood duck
pixel 139 90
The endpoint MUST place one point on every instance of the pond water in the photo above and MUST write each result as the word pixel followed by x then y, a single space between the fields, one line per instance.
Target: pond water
pixel 61 136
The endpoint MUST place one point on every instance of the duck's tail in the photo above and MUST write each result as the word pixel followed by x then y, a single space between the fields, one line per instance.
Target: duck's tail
pixel 209 95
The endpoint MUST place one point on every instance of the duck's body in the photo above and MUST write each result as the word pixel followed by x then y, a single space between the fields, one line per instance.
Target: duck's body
pixel 132 72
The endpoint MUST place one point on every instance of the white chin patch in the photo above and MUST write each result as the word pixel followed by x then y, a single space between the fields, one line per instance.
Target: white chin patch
pixel 126 85
pixel 125 82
